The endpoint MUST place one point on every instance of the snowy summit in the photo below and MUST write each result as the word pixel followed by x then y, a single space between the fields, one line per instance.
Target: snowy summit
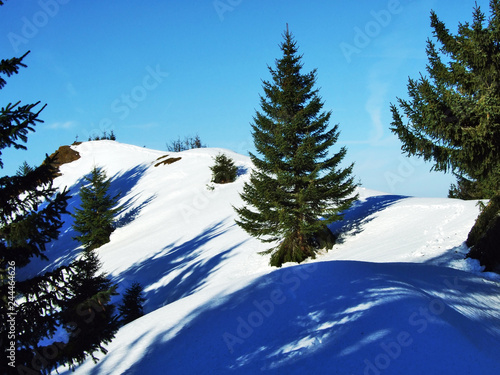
pixel 394 295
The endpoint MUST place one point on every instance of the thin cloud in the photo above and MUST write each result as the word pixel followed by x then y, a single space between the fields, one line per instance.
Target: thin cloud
pixel 61 125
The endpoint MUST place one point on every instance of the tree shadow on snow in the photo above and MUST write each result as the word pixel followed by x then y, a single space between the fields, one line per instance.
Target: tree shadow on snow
pixel 338 318
pixel 122 185
pixel 242 170
pixel 448 257
pixel 178 270
pixel 65 249
pixel 455 257
pixel 361 213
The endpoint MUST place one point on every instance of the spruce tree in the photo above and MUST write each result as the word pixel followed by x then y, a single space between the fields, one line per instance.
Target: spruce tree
pixel 452 117
pixel 27 224
pixel 24 169
pixel 132 304
pixel 88 316
pixel 94 220
pixel 31 209
pixel 224 170
pixel 295 181
pixel 468 189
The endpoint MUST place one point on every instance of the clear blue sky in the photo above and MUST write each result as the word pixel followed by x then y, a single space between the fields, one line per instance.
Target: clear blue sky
pixel 155 70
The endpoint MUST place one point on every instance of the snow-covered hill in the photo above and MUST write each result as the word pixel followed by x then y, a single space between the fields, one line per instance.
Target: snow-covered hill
pixel 394 296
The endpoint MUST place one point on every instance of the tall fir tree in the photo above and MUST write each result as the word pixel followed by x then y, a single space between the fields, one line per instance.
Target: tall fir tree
pixel 295 182
pixel 94 220
pixel 452 117
pixel 32 310
pixel 26 226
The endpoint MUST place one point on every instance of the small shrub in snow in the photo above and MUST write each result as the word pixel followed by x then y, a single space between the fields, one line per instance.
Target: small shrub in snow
pixel 131 307
pixel 187 144
pixel 224 170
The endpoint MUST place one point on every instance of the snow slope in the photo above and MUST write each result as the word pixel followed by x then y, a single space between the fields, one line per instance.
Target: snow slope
pixel 394 296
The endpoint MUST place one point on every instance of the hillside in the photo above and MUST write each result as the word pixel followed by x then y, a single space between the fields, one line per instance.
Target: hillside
pixel 394 296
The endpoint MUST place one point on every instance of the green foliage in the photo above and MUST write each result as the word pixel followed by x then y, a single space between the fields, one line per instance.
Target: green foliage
pixel 188 143
pixel 25 226
pixel 31 212
pixel 223 170
pixel 88 316
pixel 484 238
pixel 10 67
pixel 94 220
pixel 131 307
pixel 24 169
pixel 296 181
pixel 453 116
pixel 483 221
pixel 16 121
pixel 472 189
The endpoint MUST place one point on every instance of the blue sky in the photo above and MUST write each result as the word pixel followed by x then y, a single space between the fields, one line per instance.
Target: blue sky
pixel 152 71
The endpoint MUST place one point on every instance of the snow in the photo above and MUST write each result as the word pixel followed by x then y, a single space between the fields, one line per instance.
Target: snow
pixel 393 296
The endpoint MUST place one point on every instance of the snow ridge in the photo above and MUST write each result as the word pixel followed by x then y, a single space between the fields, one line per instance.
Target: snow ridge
pixel 393 296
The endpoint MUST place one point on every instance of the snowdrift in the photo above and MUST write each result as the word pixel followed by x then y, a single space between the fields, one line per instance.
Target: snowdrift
pixel 394 295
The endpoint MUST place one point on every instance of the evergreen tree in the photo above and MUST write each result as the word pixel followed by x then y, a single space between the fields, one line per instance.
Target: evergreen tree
pixel 295 181
pixel 453 116
pixel 88 316
pixel 467 189
pixel 224 170
pixel 26 226
pixel 31 212
pixel 131 307
pixel 24 169
pixel 94 220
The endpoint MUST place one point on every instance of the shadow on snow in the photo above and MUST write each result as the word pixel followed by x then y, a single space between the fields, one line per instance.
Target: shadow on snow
pixel 361 213
pixel 178 270
pixel 338 318
pixel 65 248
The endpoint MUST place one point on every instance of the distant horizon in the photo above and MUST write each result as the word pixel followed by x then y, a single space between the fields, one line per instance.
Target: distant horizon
pixel 158 71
